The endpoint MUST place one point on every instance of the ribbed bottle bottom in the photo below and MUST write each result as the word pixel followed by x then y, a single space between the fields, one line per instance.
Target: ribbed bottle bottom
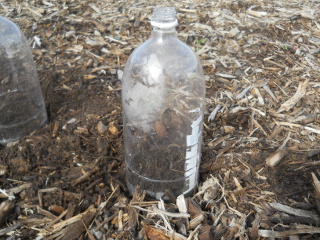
pixel 11 133
pixel 156 188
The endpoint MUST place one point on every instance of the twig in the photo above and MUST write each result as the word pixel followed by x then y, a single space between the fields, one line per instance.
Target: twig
pixel 108 219
pixel 232 209
pixel 193 233
pixel 115 40
pixel 10 228
pixel 300 229
pixel 154 210
pixel 300 93
pixel 295 211
pixel 88 231
pixel 285 141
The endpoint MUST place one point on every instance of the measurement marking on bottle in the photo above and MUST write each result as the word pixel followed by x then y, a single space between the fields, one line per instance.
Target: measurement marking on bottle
pixel 193 150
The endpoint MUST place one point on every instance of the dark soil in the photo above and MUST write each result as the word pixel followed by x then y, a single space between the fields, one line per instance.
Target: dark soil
pixel 160 164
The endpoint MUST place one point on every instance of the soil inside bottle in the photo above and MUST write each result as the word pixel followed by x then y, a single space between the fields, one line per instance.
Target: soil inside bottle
pixel 160 163
pixel 159 170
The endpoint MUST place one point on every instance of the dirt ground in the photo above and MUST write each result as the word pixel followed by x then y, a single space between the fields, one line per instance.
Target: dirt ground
pixel 77 159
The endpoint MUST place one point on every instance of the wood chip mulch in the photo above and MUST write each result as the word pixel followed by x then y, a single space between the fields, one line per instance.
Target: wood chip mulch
pixel 259 175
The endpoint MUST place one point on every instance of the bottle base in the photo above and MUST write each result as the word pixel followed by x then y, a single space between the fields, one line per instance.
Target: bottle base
pixel 156 189
pixel 14 132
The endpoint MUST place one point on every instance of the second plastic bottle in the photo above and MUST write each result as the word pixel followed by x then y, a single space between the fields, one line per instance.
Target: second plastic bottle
pixel 163 96
pixel 22 108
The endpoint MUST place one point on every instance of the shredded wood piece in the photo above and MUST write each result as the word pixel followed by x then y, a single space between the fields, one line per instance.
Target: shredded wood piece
pixel 56 219
pixel 156 233
pixel 19 189
pixel 268 90
pixel 5 209
pixel 232 209
pixel 299 229
pixel 115 40
pixel 213 114
pixel 45 213
pixel 244 92
pixel 194 232
pixel 285 141
pixel 196 222
pixel 11 228
pixel 275 158
pixel 316 184
pixel 300 93
pixel 154 211
pixel 258 94
pixel 181 204
pixel 218 141
pixel 256 13
pixel 225 75
pixel 256 124
pixel 295 211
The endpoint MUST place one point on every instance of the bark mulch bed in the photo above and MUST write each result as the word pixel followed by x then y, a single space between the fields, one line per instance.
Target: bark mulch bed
pixel 261 147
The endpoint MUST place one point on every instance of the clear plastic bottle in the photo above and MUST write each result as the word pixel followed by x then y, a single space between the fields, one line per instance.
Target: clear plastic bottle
pixel 163 95
pixel 22 108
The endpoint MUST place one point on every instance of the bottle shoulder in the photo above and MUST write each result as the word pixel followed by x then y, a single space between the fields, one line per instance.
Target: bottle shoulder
pixel 173 50
pixel 9 32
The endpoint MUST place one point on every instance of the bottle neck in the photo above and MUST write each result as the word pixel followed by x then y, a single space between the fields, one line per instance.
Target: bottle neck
pixel 163 34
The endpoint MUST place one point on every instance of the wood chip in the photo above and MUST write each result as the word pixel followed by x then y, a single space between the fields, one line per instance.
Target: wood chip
pixel 299 229
pixel 226 75
pixel 316 184
pixel 11 228
pixel 133 214
pixel 256 13
pixel 213 114
pixel 254 231
pixel 275 158
pixel 45 213
pixel 5 209
pixel 295 211
pixel 300 93
pixel 19 189
pixel 158 234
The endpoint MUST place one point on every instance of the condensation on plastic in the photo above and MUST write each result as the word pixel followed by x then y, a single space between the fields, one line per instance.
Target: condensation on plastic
pixel 163 94
pixel 22 108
